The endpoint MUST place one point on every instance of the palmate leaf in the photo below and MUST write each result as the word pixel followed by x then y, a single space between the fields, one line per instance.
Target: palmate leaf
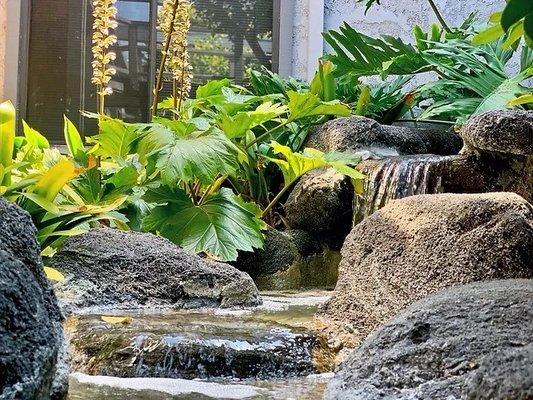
pixel 116 139
pixel 361 55
pixel 294 165
pixel 188 156
pixel 220 226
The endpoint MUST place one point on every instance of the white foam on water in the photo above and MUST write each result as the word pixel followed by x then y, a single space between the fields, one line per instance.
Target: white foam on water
pixel 173 387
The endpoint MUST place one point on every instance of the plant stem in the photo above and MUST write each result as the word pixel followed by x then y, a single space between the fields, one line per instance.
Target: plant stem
pixel 439 15
pixel 175 96
pixel 101 100
pixel 278 197
pixel 267 133
pixel 159 79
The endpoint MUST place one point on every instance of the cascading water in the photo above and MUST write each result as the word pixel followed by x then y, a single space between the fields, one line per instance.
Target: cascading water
pixel 398 177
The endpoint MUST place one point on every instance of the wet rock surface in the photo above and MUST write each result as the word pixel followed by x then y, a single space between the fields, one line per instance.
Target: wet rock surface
pixel 321 203
pixel 273 341
pixel 111 268
pixel 31 334
pixel 500 131
pixel 468 342
pixel 421 244
pixel 360 133
pixel 292 259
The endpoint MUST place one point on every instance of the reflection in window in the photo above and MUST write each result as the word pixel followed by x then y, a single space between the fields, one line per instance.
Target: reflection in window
pixel 226 38
pixel 130 84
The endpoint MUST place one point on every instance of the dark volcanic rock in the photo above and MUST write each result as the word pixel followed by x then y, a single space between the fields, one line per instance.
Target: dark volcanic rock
pixel 421 244
pixel 321 203
pixel 360 133
pixel 500 131
pixel 292 259
pixel 31 333
pixel 107 267
pixel 468 342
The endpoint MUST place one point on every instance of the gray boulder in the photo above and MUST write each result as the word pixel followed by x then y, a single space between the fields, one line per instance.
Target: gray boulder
pixel 321 203
pixel 360 133
pixel 469 342
pixel 292 259
pixel 421 244
pixel 500 131
pixel 107 267
pixel 33 361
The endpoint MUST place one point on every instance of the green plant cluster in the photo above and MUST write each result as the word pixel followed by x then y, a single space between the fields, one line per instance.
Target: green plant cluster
pixel 470 68
pixel 208 176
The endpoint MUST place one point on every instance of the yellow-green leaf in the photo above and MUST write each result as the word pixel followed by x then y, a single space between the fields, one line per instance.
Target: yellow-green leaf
pixel 524 99
pixel 488 35
pixel 54 274
pixel 53 180
pixel 34 138
pixel 74 141
pixel 116 320
pixel 7 137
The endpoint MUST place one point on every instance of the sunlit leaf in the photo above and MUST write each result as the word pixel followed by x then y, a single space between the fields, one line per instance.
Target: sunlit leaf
pixel 7 137
pixel 34 138
pixel 53 180
pixel 74 141
pixel 116 320
pixel 303 105
pixel 54 274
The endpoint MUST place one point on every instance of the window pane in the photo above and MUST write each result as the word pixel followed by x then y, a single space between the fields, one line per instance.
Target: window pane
pixel 226 38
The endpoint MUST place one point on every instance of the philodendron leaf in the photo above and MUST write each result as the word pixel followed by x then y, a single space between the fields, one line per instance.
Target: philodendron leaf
pixel 303 105
pixel 220 226
pixel 201 155
pixel 294 165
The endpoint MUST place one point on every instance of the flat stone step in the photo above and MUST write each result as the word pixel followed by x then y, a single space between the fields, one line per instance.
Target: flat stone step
pixel 275 340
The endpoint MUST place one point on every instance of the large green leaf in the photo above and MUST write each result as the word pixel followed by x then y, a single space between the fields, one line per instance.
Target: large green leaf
pixel 220 226
pixel 116 139
pixel 303 105
pixel 201 155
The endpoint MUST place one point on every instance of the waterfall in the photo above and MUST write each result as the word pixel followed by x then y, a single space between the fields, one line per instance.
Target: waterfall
pixel 395 178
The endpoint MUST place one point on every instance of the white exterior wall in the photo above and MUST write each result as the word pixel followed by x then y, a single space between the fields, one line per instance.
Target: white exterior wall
pixel 392 17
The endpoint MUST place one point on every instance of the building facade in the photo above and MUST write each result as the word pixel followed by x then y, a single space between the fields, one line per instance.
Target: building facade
pixel 45 46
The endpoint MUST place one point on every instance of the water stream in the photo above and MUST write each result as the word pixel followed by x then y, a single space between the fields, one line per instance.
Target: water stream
pixel 398 177
pixel 266 352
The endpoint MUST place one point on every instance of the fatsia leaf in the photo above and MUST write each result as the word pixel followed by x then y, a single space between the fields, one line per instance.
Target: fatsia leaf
pixel 220 226
pixel 212 88
pixel 294 165
pixel 199 155
pixel 115 138
pixel 303 105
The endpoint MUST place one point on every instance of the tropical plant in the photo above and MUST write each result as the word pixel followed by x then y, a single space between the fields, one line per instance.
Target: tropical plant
pixel 514 22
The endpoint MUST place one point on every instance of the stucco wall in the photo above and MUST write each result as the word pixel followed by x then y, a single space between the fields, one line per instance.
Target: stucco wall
pixel 397 17
pixel 3 28
pixel 391 17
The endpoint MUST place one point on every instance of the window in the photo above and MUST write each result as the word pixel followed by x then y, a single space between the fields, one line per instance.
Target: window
pixel 226 38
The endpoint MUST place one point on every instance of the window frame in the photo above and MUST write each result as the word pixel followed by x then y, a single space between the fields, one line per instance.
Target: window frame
pixel 24 48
